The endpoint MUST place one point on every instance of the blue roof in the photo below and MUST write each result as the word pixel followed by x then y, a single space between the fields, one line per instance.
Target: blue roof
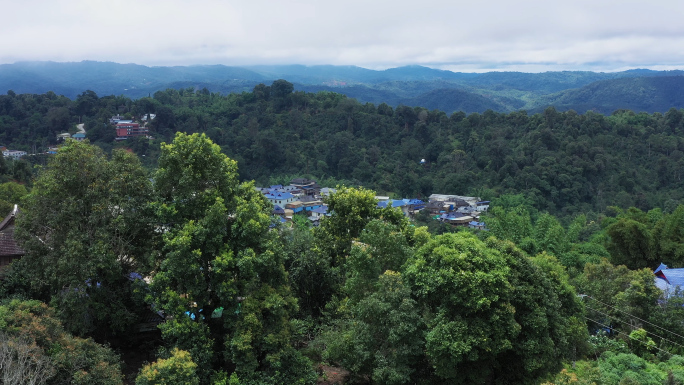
pixel 79 135
pixel 276 186
pixel 673 278
pixel 320 210
pixel 482 203
pixel 661 267
pixel 395 203
pixel 279 195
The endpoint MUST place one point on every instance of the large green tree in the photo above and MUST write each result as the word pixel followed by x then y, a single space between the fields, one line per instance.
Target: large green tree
pixel 491 315
pixel 222 283
pixel 85 227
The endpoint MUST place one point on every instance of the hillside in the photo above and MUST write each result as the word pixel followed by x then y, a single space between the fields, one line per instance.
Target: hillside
pixel 650 91
pixel 638 94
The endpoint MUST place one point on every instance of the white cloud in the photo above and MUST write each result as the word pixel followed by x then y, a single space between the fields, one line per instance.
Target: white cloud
pixel 528 35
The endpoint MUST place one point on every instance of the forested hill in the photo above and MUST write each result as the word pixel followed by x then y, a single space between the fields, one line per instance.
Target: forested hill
pixel 562 162
pixel 410 85
pixel 638 94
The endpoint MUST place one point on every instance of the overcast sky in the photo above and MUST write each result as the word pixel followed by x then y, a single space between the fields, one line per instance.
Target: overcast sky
pixel 523 35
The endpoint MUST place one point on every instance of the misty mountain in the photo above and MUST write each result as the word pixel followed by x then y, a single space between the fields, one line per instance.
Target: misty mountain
pixel 410 85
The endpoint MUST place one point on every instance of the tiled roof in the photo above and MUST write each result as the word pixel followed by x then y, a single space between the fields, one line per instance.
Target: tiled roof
pixel 8 246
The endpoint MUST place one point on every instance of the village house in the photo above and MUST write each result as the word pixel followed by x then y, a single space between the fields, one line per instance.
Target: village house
pixel 320 212
pixel 455 200
pixel 13 154
pixel 9 250
pixel 670 281
pixel 127 130
pixel 279 198
pixel 326 191
pixel 456 219
pixel 482 206
pixel 306 186
pixel 476 225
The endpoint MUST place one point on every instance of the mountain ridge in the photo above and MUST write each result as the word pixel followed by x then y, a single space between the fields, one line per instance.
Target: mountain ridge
pixel 407 85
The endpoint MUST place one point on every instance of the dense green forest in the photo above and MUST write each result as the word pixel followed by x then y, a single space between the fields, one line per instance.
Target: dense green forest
pixel 562 162
pixel 559 290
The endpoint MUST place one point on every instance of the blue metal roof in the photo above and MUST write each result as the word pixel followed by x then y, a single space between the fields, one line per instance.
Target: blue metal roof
pixel 674 276
pixel 280 195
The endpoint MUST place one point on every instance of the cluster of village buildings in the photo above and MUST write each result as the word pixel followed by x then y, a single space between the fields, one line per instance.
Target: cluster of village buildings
pixel 125 128
pixel 305 197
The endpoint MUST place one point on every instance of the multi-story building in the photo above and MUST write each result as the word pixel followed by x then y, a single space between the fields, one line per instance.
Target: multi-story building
pixel 127 130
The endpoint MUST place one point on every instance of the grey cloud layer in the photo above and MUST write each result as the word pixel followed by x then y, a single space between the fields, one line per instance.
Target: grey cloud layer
pixel 464 35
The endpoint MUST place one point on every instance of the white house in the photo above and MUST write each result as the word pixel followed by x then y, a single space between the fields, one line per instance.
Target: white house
pixel 280 198
pixel 13 154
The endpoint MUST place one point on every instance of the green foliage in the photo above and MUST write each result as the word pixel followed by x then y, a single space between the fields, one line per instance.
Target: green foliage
pixel 641 344
pixel 10 195
pixel 382 336
pixel 624 368
pixel 85 227
pixel 512 224
pixel 65 359
pixel 219 254
pixel 351 209
pixel 382 247
pixel 671 238
pixel 630 244
pixel 177 369
pixel 397 304
pixel 312 277
pixel 464 285
pixel 563 163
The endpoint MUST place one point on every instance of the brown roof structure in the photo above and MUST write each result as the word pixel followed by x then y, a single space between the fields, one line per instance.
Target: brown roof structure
pixel 8 246
pixel 9 250
pixel 9 219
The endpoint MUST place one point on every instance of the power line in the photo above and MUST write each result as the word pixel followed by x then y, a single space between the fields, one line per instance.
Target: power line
pixel 633 316
pixel 661 337
pixel 628 336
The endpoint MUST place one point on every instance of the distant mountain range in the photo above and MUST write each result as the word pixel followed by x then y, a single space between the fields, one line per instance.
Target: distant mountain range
pixel 639 90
